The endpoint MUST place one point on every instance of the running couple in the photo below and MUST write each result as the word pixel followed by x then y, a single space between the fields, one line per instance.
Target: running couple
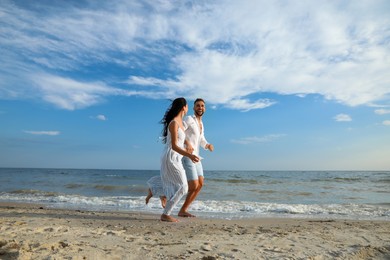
pixel 181 169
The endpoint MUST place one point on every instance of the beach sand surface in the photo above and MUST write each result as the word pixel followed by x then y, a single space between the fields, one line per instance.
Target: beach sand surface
pixel 36 232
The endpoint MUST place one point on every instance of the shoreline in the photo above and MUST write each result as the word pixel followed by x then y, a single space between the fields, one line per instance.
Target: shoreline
pixel 31 231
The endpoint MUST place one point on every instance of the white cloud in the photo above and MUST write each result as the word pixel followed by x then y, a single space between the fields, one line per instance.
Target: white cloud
pixel 386 122
pixel 101 117
pixel 229 55
pixel 71 94
pixel 52 133
pixel 343 118
pixel 382 111
pixel 256 139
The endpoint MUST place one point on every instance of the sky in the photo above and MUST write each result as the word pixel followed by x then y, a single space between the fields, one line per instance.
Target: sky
pixel 289 85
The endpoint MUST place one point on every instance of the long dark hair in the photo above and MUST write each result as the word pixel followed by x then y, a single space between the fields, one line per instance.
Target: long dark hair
pixel 172 111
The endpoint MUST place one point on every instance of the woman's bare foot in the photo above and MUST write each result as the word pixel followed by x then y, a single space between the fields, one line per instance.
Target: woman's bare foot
pixel 186 215
pixel 168 218
pixel 163 201
pixel 149 196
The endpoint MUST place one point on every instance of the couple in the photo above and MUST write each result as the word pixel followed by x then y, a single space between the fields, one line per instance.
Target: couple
pixel 180 161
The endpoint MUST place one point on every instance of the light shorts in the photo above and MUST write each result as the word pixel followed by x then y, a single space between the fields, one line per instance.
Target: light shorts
pixel 193 170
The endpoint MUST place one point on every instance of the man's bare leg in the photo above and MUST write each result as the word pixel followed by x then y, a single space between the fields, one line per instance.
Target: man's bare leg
pixel 194 188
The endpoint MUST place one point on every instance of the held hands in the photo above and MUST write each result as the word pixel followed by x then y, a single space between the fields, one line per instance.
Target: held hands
pixel 194 158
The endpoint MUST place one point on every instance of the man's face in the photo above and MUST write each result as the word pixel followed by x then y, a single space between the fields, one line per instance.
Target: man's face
pixel 199 108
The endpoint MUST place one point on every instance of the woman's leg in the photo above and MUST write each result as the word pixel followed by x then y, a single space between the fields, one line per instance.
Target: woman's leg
pixel 148 196
pixel 172 202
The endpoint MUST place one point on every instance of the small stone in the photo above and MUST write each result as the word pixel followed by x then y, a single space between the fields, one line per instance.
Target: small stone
pixel 206 247
pixel 3 243
pixel 209 257
pixel 63 244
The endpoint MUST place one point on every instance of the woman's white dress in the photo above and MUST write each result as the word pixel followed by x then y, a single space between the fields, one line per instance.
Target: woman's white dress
pixel 174 180
pixel 155 186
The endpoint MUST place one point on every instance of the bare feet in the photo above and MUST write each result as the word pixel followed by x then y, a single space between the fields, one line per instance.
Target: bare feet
pixel 163 201
pixel 149 196
pixel 186 215
pixel 168 218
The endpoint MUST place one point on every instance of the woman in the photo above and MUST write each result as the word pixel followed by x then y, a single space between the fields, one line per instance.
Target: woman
pixel 172 172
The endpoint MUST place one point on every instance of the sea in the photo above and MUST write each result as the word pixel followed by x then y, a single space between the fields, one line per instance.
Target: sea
pixel 356 195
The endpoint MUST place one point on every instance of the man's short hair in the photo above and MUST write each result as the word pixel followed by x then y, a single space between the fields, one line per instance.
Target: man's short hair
pixel 199 99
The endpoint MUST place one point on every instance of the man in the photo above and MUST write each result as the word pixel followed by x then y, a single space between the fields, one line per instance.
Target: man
pixel 194 140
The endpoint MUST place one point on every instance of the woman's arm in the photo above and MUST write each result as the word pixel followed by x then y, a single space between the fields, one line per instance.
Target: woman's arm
pixel 188 146
pixel 173 128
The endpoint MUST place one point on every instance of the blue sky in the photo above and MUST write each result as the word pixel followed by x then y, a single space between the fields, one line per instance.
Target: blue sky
pixel 289 85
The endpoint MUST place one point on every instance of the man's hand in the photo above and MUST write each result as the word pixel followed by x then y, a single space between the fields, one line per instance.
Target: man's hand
pixel 194 158
pixel 210 147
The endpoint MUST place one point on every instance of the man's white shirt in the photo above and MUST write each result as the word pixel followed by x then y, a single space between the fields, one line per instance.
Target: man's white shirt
pixel 193 134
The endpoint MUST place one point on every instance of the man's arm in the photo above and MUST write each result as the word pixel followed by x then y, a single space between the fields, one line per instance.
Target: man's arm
pixel 203 142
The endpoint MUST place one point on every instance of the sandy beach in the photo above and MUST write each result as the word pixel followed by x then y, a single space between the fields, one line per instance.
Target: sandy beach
pixel 35 232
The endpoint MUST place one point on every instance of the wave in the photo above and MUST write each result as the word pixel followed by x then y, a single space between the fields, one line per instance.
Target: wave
pixel 111 187
pixel 74 186
pixel 338 179
pixel 383 180
pixel 264 191
pixel 301 193
pixel 35 193
pixel 382 191
pixel 235 181
pixel 208 208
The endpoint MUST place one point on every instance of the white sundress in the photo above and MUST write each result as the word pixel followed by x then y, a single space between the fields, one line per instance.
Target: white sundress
pixel 156 186
pixel 172 172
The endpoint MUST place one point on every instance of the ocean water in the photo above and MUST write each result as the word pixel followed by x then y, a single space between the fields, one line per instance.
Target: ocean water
pixel 226 194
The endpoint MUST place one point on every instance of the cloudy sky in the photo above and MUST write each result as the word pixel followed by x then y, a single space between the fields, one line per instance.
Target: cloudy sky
pixel 289 85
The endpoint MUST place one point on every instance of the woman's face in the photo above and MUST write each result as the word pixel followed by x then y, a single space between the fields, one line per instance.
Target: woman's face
pixel 185 109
